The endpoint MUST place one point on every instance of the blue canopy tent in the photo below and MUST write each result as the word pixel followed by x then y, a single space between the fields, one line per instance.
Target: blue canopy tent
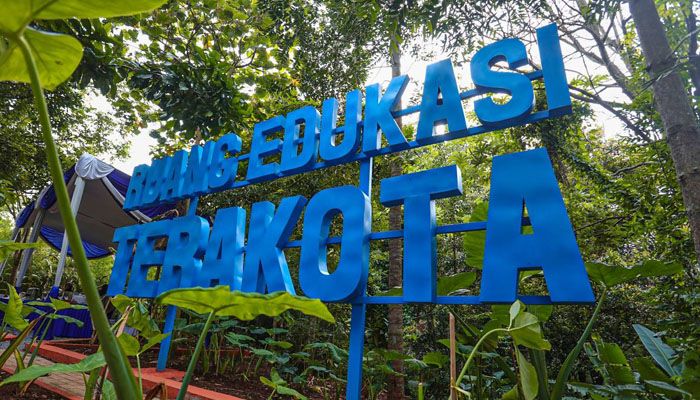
pixel 97 193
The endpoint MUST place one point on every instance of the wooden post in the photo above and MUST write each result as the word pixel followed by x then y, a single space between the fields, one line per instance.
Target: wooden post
pixel 453 359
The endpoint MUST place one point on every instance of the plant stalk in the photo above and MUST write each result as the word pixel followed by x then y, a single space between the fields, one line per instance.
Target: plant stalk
pixel 122 374
pixel 563 376
pixel 473 353
pixel 193 362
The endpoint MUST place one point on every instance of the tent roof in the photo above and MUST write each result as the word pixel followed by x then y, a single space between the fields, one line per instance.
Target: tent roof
pixel 100 211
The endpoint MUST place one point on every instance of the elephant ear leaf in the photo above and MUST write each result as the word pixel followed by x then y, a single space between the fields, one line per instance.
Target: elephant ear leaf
pixel 56 56
pixel 245 306
pixel 662 353
pixel 17 14
pixel 13 311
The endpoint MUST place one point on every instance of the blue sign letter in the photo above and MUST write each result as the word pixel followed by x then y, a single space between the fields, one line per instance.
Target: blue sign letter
pixel 513 52
pixel 223 261
pixel 187 239
pixel 440 79
pixel 350 277
pixel 522 180
pixel 378 114
pixel 291 160
pixel 260 148
pixel 328 149
pixel 223 170
pixel 417 192
pixel 147 256
pixel 265 264
pixel 126 238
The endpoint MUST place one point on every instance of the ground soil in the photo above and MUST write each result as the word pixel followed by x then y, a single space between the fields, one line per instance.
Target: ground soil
pixel 236 383
pixel 9 392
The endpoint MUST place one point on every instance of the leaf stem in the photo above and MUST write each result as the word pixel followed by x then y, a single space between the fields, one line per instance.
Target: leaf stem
pixel 473 353
pixel 124 381
pixel 193 362
pixel 563 376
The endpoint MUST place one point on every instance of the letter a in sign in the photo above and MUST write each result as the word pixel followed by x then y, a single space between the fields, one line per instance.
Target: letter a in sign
pixel 519 181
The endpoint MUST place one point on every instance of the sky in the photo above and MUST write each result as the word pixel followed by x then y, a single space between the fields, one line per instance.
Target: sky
pixel 412 65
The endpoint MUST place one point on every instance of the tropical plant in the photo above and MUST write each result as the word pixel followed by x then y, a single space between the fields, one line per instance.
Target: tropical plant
pixel 220 301
pixel 45 60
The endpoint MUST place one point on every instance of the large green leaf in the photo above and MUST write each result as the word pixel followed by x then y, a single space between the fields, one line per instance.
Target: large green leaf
pixel 662 353
pixel 436 358
pixel 616 364
pixel 475 241
pixel 666 388
pixel 67 319
pixel 610 276
pixel 528 376
pixel 19 13
pixel 56 56
pixel 13 311
pixel 87 364
pixel 525 328
pixel 8 247
pixel 245 306
pixel 129 344
pixel 452 283
pixel 648 371
pixel 153 341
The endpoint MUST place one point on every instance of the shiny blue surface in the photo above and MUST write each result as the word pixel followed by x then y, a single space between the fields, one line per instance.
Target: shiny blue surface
pixel 526 181
pixel 265 262
pixel 418 192
pixel 310 141
pixel 349 278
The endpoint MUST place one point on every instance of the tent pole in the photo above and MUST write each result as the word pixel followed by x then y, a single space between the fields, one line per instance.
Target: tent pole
pixel 27 254
pixel 15 235
pixel 74 206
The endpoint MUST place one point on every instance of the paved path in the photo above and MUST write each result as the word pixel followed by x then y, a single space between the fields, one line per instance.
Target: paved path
pixel 69 385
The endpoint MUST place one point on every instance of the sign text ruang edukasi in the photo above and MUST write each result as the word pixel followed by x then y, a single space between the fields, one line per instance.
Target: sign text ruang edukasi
pixel 198 254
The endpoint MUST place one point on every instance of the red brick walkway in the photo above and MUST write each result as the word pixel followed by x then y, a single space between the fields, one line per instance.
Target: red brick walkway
pixel 69 385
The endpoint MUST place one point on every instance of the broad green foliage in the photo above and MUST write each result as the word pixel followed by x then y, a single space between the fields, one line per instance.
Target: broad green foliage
pixel 13 315
pixel 57 56
pixel 662 353
pixel 87 364
pixel 610 276
pixel 9 247
pixel 221 301
pixel 279 386
pixel 14 33
pixel 18 14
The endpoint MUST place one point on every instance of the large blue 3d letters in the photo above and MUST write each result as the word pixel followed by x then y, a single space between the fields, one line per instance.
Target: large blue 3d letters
pixel 145 257
pixel 260 148
pixel 417 192
pixel 378 110
pixel 265 263
pixel 518 85
pixel 223 261
pixel 182 262
pixel 519 181
pixel 440 80
pixel 328 148
pixel 350 276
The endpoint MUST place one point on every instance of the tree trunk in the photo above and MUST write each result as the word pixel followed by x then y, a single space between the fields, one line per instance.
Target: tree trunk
pixel 395 276
pixel 680 123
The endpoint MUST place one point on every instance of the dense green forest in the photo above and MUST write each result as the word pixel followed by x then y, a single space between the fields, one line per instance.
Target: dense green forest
pixel 626 159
